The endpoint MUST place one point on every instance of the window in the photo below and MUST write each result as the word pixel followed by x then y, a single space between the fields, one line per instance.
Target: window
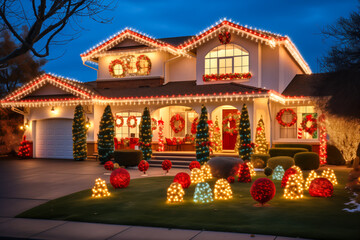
pixel 132 70
pixel 125 131
pixel 228 58
pixel 118 70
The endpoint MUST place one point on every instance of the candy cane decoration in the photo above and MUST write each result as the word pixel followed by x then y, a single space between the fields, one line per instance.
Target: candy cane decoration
pixel 161 135
pixel 300 133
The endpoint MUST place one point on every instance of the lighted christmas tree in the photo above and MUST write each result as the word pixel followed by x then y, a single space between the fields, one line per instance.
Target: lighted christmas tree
pixel 203 193
pixel 329 174
pixel 100 189
pixel 245 135
pixel 278 173
pixel 106 135
pixel 294 187
pixel 261 145
pixel 217 137
pixel 244 173
pixel 161 135
pixel 205 168
pixel 79 134
pixel 24 149
pixel 251 169
pixel 211 136
pixel 310 178
pixel 145 136
pixel 175 193
pixel 222 189
pixel 202 138
pixel 197 175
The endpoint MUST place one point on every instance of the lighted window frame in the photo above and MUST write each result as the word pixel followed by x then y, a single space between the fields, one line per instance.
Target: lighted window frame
pixel 118 70
pixel 125 131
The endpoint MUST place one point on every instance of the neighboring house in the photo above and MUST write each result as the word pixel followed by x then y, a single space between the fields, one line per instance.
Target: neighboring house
pixel 222 68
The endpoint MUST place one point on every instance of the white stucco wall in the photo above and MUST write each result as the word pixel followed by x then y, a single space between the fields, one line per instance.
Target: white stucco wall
pixel 269 67
pixel 182 69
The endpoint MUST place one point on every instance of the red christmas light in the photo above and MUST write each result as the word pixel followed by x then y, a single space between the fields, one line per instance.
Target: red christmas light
pixel 231 179
pixel 263 190
pixel 166 165
pixel 321 187
pixel 225 76
pixel 285 178
pixel 143 166
pixel 183 178
pixel 109 165
pixel 194 164
pixel 244 173
pixel 120 178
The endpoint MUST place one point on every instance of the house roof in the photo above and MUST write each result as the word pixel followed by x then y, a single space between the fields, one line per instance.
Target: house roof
pixel 303 84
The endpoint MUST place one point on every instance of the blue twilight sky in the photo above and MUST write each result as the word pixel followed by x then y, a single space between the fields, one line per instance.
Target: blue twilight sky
pixel 302 21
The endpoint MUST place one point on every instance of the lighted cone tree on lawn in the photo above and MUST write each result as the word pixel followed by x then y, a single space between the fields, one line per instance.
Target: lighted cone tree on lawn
pixel 310 178
pixel 202 138
pixel 145 134
pixel 245 135
pixel 217 137
pixel 106 135
pixel 294 187
pixel 261 145
pixel 79 134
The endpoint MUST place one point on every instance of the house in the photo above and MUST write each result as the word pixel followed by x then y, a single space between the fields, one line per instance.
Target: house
pixel 223 67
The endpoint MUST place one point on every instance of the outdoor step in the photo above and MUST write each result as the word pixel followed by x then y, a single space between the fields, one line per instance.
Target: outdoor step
pixel 183 158
pixel 173 166
pixel 174 154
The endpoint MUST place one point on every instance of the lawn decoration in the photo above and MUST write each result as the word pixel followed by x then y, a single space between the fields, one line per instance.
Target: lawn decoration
pixel 100 189
pixel 120 178
pixel 203 193
pixel 109 165
pixel 298 172
pixel 321 187
pixel 116 166
pixel 281 113
pixel 166 165
pixel 197 176
pixel 251 169
pixel 278 173
pixel 268 171
pixel 286 176
pixel 231 179
pixel 24 149
pixel 206 171
pixel 261 145
pixel 294 187
pixel 175 193
pixel 329 174
pixel 222 190
pixel 244 173
pixel 194 164
pixel 263 190
pixel 183 178
pixel 309 179
pixel 202 137
pixel 143 166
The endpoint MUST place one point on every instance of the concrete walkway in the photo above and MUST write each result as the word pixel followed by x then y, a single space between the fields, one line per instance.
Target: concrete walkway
pixel 28 183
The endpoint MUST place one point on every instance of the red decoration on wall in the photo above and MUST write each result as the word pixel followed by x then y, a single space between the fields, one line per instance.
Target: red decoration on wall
pixel 128 122
pixel 166 165
pixel 194 164
pixel 194 126
pixel 153 124
pixel 143 166
pixel 183 178
pixel 177 118
pixel 281 113
pixel 321 187
pixel 263 190
pixel 285 178
pixel 119 121
pixel 226 76
pixel 120 178
pixel 244 173
pixel 143 58
pixel 25 149
pixel 227 121
pixel 118 62
pixel 313 126
pixel 231 179
pixel 109 165
pixel 225 37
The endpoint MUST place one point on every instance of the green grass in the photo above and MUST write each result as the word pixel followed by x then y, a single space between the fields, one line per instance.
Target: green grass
pixel 144 203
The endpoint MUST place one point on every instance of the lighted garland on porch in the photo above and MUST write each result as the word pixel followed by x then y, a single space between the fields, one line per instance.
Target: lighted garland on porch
pixel 281 113
pixel 313 126
pixel 145 134
pixel 106 135
pixel 177 118
pixel 128 122
pixel 246 146
pixel 79 134
pixel 202 138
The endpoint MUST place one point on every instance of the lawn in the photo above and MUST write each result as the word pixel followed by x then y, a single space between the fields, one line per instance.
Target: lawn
pixel 144 203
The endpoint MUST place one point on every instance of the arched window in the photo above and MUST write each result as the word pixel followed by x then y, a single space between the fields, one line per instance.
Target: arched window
pixel 227 58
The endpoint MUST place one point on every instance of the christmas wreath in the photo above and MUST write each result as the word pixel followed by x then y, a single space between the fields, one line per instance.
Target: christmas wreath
pixel 313 126
pixel 177 118
pixel 118 62
pixel 143 58
pixel 119 121
pixel 226 121
pixel 281 113
pixel 153 124
pixel 224 37
pixel 128 122
pixel 194 126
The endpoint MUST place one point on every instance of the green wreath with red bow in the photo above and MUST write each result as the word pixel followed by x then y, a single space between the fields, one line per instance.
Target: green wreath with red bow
pixel 225 123
pixel 313 126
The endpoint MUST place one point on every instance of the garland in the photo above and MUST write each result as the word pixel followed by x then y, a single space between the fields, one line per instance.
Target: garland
pixel 313 126
pixel 119 121
pixel 128 122
pixel 228 119
pixel 153 124
pixel 123 65
pixel 194 126
pixel 143 58
pixel 281 113
pixel 226 76
pixel 174 119
pixel 224 37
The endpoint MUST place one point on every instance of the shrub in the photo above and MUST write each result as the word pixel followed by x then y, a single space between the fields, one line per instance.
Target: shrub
pixel 224 167
pixel 284 161
pixel 334 156
pixel 268 171
pixel 294 145
pixel 290 152
pixel 307 160
pixel 259 160
pixel 128 158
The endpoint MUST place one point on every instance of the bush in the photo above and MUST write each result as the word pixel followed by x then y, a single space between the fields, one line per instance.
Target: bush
pixel 284 161
pixel 307 160
pixel 268 171
pixel 224 167
pixel 259 160
pixel 290 152
pixel 334 156
pixel 294 145
pixel 128 158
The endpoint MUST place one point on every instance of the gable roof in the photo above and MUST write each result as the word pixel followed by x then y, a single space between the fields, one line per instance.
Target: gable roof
pixel 303 84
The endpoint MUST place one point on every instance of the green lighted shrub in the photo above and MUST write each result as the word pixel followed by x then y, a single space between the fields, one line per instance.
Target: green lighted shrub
pixel 128 157
pixel 294 145
pixel 290 152
pixel 307 160
pixel 259 160
pixel 268 171
pixel 284 161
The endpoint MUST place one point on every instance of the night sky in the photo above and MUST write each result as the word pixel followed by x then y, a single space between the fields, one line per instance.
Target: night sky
pixel 302 21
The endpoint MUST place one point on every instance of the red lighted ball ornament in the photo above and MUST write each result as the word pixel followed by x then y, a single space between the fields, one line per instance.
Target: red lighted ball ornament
pixel 286 176
pixel 183 178
pixel 109 165
pixel 321 187
pixel 231 179
pixel 263 190
pixel 194 164
pixel 166 165
pixel 120 178
pixel 143 166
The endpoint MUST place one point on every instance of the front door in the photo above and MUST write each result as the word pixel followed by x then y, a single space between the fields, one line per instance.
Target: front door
pixel 229 139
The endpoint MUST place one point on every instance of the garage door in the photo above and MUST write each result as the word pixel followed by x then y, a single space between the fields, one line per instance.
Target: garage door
pixel 54 139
